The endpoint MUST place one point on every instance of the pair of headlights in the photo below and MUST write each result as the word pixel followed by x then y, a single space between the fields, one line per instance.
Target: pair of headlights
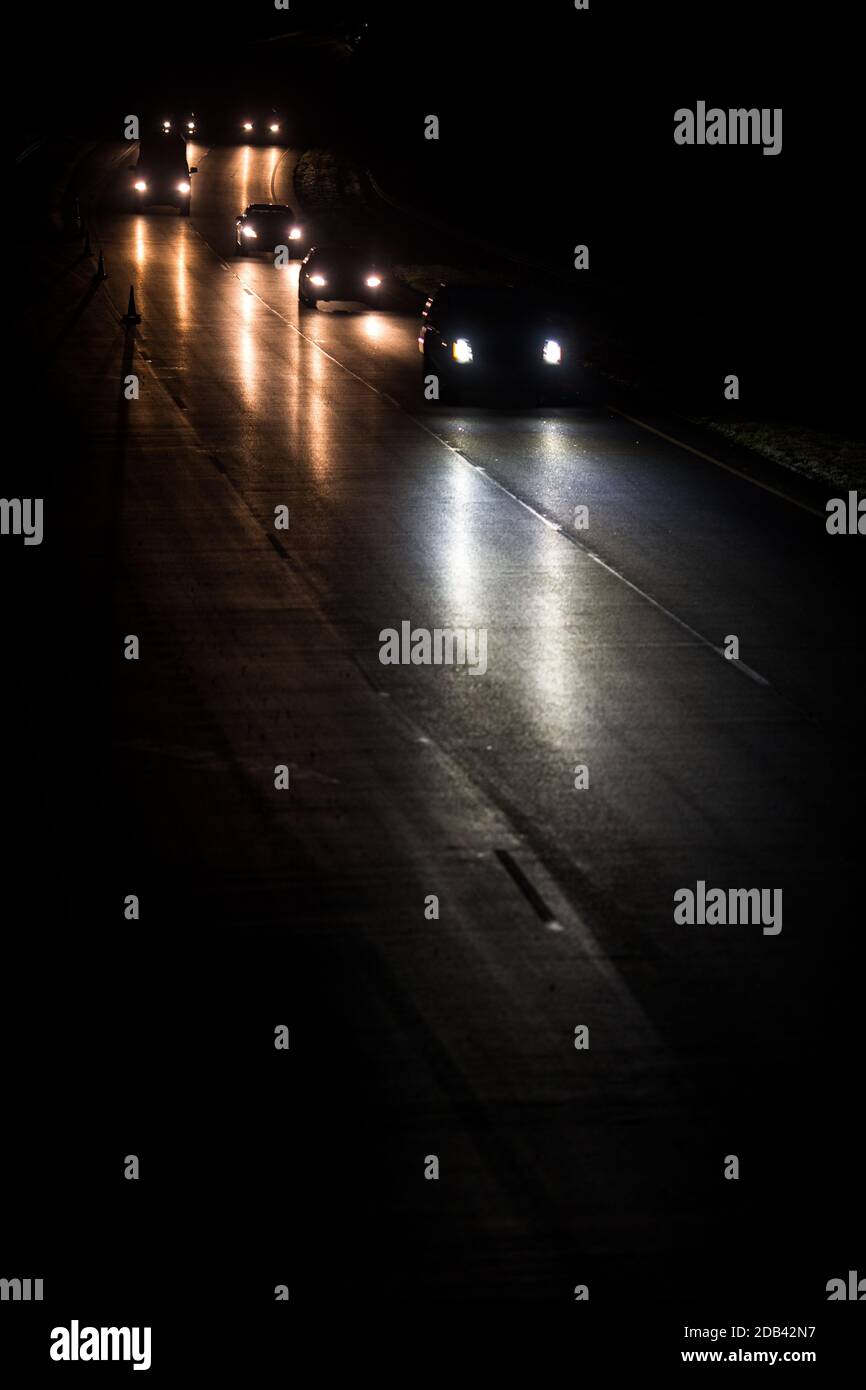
pixel 294 232
pixel 461 351
pixel 141 187
pixel 273 127
pixel 372 281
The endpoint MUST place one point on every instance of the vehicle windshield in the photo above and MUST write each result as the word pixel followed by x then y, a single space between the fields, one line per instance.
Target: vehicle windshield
pixel 163 146
pixel 498 306
pixel 341 258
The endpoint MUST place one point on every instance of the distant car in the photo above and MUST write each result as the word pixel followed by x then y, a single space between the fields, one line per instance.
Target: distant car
pixel 264 226
pixel 184 125
pixel 339 272
pixel 162 174
pixel 480 339
pixel 262 127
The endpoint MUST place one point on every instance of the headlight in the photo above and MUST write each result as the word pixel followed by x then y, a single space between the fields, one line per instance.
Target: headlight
pixel 166 125
pixel 552 351
pixel 183 188
pixel 318 280
pixel 190 125
pixel 248 125
pixel 274 128
pixel 461 350
pixel 248 231
pixel 141 186
pixel 294 234
pixel 373 281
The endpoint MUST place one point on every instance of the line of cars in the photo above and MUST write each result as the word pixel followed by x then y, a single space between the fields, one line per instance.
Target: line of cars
pixel 161 176
pixel 264 125
pixel 473 339
pixel 326 272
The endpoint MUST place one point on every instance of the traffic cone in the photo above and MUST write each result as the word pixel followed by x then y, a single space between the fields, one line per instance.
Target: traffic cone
pixel 100 268
pixel 131 316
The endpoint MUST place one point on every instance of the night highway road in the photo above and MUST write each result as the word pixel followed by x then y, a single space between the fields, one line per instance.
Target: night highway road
pixel 514 1071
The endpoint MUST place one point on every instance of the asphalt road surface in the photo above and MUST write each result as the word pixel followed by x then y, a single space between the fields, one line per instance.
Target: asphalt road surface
pixel 454 1037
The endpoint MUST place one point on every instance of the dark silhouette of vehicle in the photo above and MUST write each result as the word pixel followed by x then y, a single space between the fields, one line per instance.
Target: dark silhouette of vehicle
pixel 339 272
pixel 489 339
pixel 264 226
pixel 162 174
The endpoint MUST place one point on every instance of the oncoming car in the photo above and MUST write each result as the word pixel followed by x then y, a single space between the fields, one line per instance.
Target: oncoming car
pixel 184 124
pixel 261 127
pixel 339 272
pixel 161 174
pixel 264 226
pixel 492 338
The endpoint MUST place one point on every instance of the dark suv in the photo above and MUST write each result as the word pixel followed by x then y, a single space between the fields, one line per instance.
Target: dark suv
pixel 162 174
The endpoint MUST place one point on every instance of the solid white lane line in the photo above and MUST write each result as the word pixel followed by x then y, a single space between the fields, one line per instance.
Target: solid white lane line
pixel 708 458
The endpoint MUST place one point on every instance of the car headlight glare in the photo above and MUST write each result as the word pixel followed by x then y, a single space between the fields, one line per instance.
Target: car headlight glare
pixel 274 128
pixel 461 350
pixel 140 186
pixel 374 281
pixel 249 231
pixel 248 125
pixel 318 280
pixel 183 188
pixel 552 351
pixel 294 234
